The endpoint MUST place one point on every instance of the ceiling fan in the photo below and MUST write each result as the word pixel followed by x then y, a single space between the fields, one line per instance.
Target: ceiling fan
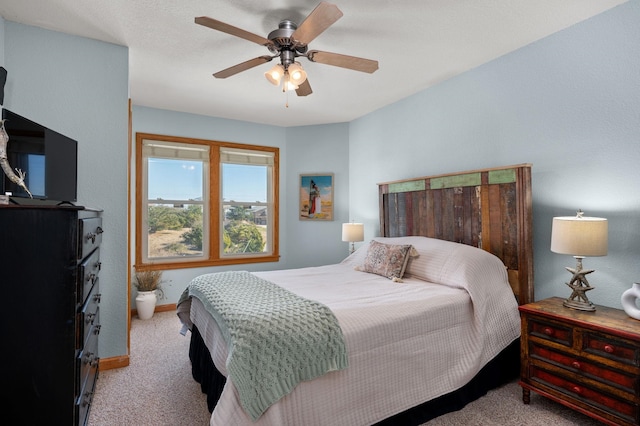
pixel 289 42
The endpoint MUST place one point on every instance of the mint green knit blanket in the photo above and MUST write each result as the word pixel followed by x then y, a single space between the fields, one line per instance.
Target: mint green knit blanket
pixel 275 338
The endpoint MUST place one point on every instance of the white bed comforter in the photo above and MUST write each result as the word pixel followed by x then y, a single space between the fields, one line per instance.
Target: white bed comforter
pixel 407 342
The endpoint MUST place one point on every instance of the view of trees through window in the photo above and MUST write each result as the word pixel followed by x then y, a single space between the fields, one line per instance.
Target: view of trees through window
pixel 243 231
pixel 177 230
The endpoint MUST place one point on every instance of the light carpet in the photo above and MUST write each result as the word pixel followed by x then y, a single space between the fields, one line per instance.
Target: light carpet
pixel 157 389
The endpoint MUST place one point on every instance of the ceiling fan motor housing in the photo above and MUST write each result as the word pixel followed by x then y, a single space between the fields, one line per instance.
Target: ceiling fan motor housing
pixel 283 44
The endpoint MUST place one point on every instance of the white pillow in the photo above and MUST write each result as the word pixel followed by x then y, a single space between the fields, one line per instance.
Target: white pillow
pixel 438 261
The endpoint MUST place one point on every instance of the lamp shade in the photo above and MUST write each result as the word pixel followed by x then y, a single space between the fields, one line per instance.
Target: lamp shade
pixel 352 232
pixel 275 74
pixel 579 236
pixel 297 75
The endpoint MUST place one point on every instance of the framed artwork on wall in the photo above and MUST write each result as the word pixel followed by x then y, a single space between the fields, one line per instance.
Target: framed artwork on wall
pixel 316 196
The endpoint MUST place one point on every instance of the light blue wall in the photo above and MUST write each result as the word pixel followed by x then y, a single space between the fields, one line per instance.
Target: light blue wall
pixel 310 150
pixel 2 26
pixel 569 104
pixel 79 87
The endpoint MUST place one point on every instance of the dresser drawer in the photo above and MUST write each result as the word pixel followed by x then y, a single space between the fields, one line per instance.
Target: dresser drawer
pixel 582 367
pixel 89 317
pixel 617 349
pixel 88 359
pixel 551 331
pixel 87 364
pixel 89 235
pixel 581 393
pixel 88 275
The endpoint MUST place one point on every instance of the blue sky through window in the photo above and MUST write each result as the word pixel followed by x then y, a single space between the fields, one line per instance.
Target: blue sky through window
pixel 175 179
pixel 244 183
pixel 178 179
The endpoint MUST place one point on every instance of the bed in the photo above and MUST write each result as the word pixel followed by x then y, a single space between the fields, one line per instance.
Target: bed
pixel 426 314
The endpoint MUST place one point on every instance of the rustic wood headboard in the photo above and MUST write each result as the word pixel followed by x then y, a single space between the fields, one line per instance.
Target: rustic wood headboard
pixel 489 208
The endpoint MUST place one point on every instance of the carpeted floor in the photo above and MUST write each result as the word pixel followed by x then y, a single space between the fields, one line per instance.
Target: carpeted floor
pixel 157 389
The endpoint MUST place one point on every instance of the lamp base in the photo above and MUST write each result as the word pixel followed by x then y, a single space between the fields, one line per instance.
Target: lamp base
pixel 579 286
pixel 579 305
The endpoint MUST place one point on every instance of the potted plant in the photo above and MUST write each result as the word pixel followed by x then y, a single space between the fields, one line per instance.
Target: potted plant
pixel 148 284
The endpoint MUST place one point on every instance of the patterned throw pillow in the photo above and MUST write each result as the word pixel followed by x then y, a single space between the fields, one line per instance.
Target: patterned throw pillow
pixel 388 260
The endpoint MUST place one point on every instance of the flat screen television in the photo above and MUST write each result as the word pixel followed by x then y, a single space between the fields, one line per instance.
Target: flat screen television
pixel 49 159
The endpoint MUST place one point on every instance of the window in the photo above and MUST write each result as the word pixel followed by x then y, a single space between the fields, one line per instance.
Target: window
pixel 204 203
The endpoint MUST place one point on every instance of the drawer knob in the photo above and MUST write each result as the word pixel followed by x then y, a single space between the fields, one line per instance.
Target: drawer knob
pixel 89 358
pixel 575 364
pixel 92 236
pixel 92 359
pixel 576 389
pixel 548 331
pixel 95 361
pixel 86 400
pixel 609 349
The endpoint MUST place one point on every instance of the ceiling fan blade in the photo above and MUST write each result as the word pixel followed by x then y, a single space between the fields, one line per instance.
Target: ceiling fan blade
pixel 242 66
pixel 304 89
pixel 321 18
pixel 344 61
pixel 234 31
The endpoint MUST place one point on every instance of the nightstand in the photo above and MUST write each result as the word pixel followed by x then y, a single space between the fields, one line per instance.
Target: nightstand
pixel 588 361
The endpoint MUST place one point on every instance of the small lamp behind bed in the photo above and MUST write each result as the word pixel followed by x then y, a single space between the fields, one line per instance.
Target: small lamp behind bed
pixel 579 236
pixel 352 232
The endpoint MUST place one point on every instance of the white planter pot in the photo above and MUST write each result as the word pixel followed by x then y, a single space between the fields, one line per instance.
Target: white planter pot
pixel 628 300
pixel 146 304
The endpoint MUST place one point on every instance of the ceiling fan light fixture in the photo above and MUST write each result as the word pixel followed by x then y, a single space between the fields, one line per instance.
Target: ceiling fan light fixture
pixel 297 74
pixel 274 75
pixel 289 86
pixel 288 83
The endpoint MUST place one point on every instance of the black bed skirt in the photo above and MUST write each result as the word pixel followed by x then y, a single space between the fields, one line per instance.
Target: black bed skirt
pixel 502 369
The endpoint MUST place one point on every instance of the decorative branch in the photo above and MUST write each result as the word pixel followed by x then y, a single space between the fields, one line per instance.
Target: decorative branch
pixel 4 162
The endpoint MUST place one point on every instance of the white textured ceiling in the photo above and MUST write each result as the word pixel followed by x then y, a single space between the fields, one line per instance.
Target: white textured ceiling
pixel 418 43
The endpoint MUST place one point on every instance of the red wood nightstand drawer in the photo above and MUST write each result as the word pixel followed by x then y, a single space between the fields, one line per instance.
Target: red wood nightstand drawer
pixel 581 366
pixel 580 392
pixel 550 331
pixel 617 349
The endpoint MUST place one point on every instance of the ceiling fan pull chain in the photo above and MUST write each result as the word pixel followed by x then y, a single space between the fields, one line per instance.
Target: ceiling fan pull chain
pixel 285 88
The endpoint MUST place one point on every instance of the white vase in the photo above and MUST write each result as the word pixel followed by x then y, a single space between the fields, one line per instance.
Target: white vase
pixel 628 300
pixel 146 304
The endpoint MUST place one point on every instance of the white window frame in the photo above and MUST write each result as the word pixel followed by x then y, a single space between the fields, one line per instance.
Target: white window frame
pixel 175 151
pixel 213 251
pixel 247 157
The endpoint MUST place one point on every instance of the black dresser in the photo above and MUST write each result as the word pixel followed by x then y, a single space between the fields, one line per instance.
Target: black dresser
pixel 50 319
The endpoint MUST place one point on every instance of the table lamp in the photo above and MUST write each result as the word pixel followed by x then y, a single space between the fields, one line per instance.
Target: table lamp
pixel 580 237
pixel 352 232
